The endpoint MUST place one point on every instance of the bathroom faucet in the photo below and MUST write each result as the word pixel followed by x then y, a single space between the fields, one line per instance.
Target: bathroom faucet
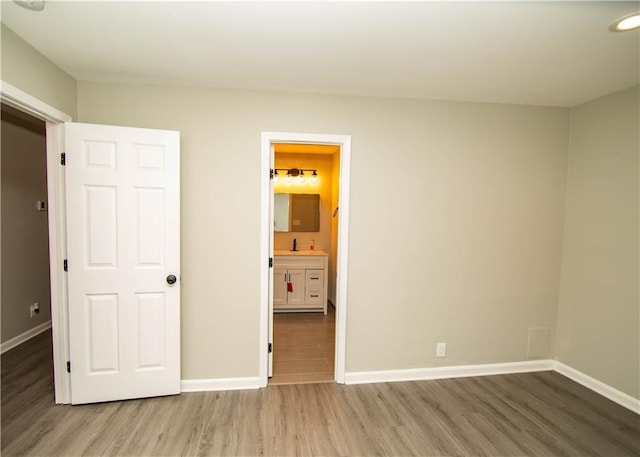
pixel 294 245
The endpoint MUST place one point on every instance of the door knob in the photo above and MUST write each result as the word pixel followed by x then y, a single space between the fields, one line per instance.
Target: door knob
pixel 171 279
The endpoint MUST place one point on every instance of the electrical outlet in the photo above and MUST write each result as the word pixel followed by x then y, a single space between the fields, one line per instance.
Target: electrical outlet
pixel 34 309
pixel 441 350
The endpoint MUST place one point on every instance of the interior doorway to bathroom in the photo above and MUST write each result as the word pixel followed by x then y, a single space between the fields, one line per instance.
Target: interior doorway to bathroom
pixel 306 188
pixel 305 339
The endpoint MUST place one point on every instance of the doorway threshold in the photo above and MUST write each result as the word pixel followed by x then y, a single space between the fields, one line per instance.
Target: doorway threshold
pixel 285 381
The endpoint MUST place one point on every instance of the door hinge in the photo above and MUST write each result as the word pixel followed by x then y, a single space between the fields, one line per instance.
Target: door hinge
pixel 68 366
pixel 270 348
pixel 65 265
pixel 63 159
pixel 271 173
pixel 270 262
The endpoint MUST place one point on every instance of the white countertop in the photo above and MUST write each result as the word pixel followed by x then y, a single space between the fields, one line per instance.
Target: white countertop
pixel 283 252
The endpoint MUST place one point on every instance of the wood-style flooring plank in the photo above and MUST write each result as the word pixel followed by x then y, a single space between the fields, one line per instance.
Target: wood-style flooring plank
pixel 533 414
pixel 303 347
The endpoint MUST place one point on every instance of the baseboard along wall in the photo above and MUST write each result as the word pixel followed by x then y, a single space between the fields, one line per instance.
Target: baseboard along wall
pixel 413 374
pixel 460 371
pixel 421 374
pixel 600 387
pixel 24 336
pixel 218 384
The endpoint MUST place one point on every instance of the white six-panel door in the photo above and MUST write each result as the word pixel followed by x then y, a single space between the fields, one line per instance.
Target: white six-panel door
pixel 123 244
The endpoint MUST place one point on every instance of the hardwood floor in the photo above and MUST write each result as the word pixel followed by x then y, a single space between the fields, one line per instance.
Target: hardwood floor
pixel 536 414
pixel 303 347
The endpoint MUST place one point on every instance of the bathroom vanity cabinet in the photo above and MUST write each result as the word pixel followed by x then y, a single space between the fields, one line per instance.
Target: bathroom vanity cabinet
pixel 300 281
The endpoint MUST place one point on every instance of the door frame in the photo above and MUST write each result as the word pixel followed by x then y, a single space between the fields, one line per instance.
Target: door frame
pixel 54 120
pixel 266 249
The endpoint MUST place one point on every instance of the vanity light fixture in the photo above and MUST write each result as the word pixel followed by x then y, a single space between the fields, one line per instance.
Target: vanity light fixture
pixel 626 23
pixel 297 173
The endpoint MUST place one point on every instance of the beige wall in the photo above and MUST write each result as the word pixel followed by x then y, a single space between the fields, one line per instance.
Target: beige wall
pixel 25 255
pixel 321 162
pixel 455 227
pixel 25 68
pixel 598 331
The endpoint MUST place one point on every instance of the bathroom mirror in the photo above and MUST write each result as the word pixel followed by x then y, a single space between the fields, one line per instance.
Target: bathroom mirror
pixel 296 212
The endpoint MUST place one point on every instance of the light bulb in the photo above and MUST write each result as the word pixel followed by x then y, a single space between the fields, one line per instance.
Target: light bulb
pixel 314 177
pixel 300 179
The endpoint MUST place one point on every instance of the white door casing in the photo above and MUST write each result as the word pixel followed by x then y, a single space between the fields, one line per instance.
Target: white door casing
pixel 268 139
pixel 123 242
pixel 271 278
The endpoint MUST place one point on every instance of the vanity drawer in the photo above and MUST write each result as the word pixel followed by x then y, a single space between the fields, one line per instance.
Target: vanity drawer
pixel 314 278
pixel 314 296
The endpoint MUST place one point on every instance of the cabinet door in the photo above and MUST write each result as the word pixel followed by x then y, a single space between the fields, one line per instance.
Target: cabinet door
pixel 297 279
pixel 279 287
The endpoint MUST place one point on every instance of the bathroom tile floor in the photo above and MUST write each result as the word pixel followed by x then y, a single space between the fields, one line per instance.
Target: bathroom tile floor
pixel 303 347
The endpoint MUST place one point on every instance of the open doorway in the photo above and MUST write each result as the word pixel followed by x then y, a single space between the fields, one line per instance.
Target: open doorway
pixel 26 298
pixel 305 250
pixel 54 125
pixel 334 241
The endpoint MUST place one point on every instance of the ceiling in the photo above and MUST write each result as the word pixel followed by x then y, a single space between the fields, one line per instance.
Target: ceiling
pixel 537 53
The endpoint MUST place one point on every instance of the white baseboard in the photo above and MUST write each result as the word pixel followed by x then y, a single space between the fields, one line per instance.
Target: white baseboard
pixel 421 374
pixel 18 340
pixel 599 387
pixel 215 384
